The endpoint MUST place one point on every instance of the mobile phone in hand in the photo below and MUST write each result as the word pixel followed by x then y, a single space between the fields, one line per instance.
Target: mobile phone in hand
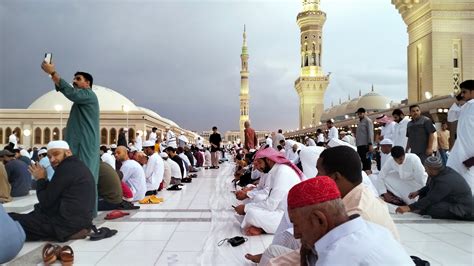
pixel 48 58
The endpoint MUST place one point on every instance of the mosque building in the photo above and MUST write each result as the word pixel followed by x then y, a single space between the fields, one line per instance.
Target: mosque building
pixel 45 119
pixel 440 57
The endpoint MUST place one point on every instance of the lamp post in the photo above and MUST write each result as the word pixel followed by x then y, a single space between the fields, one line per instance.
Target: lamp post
pixel 126 109
pixel 59 108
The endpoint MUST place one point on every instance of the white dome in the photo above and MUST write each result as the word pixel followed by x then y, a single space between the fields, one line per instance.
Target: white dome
pixel 351 107
pixel 373 101
pixel 109 100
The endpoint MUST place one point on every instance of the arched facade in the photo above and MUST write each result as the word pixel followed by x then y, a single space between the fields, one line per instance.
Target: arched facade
pixel 56 133
pixel 47 135
pixel 113 136
pixel 37 135
pixel 103 136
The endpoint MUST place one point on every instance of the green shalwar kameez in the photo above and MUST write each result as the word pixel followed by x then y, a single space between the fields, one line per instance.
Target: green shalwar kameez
pixel 82 130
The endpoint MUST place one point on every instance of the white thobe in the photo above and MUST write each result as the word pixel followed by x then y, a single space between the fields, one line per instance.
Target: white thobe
pixel 260 192
pixel 388 130
pixel 108 159
pixel 368 183
pixel 399 137
pixel 166 173
pixel 199 143
pixel 171 139
pixel 310 142
pixel 267 214
pixel 383 159
pixel 152 137
pixel 269 142
pixel 308 157
pixel 333 133
pixel 293 156
pixel 174 168
pixel 357 242
pixel 134 177
pixel 207 158
pixel 138 143
pixel 463 148
pixel 321 138
pixel 154 171
pixel 277 139
pixel 402 179
pixel 349 139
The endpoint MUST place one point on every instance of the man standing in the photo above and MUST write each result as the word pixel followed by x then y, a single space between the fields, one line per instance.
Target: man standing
pixel 320 137
pixel 332 131
pixel 364 138
pixel 268 141
pixel 13 140
pixel 462 154
pixel 154 169
pixel 133 174
pixel 82 129
pixel 66 203
pixel 446 195
pixel 153 137
pixel 420 134
pixel 139 142
pixel 215 141
pixel 250 137
pixel 443 142
pixel 400 128
pixel 170 138
pixel 388 127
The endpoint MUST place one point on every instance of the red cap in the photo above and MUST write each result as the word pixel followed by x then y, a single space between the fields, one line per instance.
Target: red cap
pixel 313 191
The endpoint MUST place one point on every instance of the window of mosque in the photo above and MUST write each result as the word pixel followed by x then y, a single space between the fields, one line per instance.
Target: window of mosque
pixel 1 134
pixel 455 63
pixel 38 135
pixel 47 135
pixel 56 133
pixel 113 135
pixel 103 136
pixel 64 133
pixel 8 132
pixel 131 134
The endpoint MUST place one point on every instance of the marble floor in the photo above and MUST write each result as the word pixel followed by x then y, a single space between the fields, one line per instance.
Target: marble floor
pixel 185 230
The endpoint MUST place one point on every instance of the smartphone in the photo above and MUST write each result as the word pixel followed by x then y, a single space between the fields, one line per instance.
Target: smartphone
pixel 233 206
pixel 48 58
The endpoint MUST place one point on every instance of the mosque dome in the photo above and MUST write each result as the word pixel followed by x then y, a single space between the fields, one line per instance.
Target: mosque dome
pixel 341 110
pixel 373 101
pixel 109 100
pixel 351 107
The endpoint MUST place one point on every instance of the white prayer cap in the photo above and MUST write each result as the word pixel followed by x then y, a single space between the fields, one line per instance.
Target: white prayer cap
pixel 58 144
pixel 337 142
pixel 252 150
pixel 306 137
pixel 164 155
pixel 386 142
pixel 133 148
pixel 24 152
pixel 42 151
pixel 148 143
pixel 113 146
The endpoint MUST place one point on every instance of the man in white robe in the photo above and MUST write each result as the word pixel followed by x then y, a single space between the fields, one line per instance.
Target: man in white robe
pixel 107 157
pixel 139 142
pixel 463 149
pixel 308 158
pixel 293 155
pixel 388 127
pixel 400 128
pixel 154 168
pixel 153 137
pixel 269 141
pixel 333 133
pixel 309 141
pixel 13 140
pixel 133 174
pixel 402 174
pixel 265 216
pixel 170 138
pixel 385 148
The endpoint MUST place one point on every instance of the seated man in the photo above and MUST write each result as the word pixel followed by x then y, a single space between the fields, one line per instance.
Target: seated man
pixel 154 168
pixel 321 222
pixel 133 174
pixel 264 216
pixel 400 175
pixel 66 203
pixel 12 235
pixel 5 187
pixel 44 162
pixel 343 165
pixel 17 172
pixel 446 195
pixel 106 156
pixel 109 188
pixel 166 169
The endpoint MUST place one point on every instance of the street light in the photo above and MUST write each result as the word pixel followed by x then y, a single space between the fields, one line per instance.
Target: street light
pixel 26 132
pixel 59 108
pixel 126 109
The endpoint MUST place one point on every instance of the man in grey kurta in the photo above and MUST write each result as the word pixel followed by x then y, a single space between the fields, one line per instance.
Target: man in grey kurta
pixel 82 130
pixel 364 138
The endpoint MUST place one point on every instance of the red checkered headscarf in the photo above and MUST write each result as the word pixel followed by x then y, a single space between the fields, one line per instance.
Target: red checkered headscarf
pixel 277 157
pixel 313 191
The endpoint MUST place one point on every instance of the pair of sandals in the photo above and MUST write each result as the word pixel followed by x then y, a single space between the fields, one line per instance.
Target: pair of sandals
pixel 101 233
pixel 52 253
pixel 174 188
pixel 187 180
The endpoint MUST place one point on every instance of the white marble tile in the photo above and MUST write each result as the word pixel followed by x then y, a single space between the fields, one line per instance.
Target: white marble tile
pixel 183 215
pixel 194 227
pixel 409 234
pixel 87 258
pixel 422 256
pixel 107 244
pixel 153 231
pixel 134 253
pixel 467 228
pixel 459 240
pixel 149 215
pixel 121 226
pixel 206 215
pixel 29 246
pixel 430 228
pixel 443 253
pixel 179 258
pixel 186 241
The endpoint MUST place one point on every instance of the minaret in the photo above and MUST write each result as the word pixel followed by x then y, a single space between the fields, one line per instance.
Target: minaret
pixel 244 87
pixel 312 82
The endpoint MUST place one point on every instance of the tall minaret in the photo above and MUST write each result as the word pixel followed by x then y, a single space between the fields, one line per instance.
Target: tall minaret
pixel 312 82
pixel 244 87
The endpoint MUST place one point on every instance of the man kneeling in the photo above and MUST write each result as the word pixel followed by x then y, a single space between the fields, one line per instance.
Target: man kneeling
pixel 65 203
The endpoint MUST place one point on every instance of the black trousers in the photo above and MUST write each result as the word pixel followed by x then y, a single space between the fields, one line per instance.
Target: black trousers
pixel 104 205
pixel 362 151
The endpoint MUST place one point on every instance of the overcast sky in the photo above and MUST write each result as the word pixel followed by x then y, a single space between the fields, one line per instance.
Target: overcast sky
pixel 181 58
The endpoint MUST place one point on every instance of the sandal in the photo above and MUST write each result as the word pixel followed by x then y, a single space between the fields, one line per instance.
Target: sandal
pixel 101 233
pixel 115 215
pixel 174 187
pixel 151 200
pixel 66 256
pixel 50 253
